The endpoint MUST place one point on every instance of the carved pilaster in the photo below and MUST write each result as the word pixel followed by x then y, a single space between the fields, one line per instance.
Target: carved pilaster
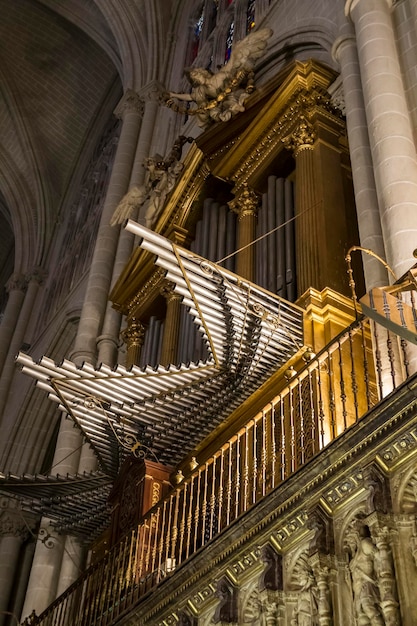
pixel 133 336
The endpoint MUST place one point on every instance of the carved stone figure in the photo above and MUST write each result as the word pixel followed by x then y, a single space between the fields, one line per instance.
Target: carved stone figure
pixel 271 577
pixel 161 176
pixel 221 96
pixel 363 563
pixel 260 609
pixel 307 609
pixel 226 610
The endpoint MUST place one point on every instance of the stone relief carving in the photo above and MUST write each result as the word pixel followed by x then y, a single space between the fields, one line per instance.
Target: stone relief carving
pixel 160 178
pixel 371 573
pixel 261 609
pixel 306 612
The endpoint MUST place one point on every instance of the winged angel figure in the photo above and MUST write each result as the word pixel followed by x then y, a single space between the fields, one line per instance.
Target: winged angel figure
pixel 221 96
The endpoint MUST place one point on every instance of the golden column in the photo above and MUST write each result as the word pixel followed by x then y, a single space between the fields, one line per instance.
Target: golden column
pixel 172 324
pixel 245 205
pixel 133 337
pixel 301 143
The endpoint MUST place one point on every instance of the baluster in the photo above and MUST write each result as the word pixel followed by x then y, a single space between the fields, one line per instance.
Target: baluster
pixel 283 441
pixel 320 365
pixel 142 540
pixel 156 541
pixel 255 461
pixel 189 518
pixel 332 406
pixel 264 452
pixel 197 511
pixel 237 476
pixel 302 422
pixel 312 435
pixel 221 491
pixel 342 387
pixel 174 533
pixel 169 530
pixel 273 447
pixel 245 462
pixel 105 600
pixel 164 523
pixel 293 466
pixel 182 521
pixel 212 497
pixel 204 506
pixel 353 380
pixel 229 485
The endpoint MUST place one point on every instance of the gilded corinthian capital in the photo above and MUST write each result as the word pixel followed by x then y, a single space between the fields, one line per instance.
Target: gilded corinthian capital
pixel 245 203
pixel 302 137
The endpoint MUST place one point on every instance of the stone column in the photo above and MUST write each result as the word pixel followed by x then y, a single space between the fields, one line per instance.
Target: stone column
pixel 101 271
pixel 369 223
pixel 34 280
pixel 45 572
pixel 109 339
pixel 13 533
pixel 133 336
pixel 16 287
pixel 390 132
pixel 169 347
pixel 307 250
pixel 245 205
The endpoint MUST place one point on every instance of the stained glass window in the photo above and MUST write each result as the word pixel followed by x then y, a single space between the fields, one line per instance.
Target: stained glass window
pixel 198 27
pixel 250 15
pixel 229 42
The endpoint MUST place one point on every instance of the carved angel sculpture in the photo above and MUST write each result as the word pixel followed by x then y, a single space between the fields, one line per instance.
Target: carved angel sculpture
pixel 220 96
pixel 160 178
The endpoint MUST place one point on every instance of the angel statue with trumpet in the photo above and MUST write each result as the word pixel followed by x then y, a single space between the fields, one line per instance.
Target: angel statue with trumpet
pixel 220 96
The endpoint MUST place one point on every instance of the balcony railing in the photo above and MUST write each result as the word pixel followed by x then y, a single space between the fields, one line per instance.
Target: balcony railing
pixel 330 391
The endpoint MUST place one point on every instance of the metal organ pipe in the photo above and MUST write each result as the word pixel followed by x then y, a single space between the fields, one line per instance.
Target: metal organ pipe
pixel 275 254
pixel 270 240
pixel 280 238
pixel 289 230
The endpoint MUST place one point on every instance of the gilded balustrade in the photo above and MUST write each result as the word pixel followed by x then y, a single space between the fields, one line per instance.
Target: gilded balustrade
pixel 329 393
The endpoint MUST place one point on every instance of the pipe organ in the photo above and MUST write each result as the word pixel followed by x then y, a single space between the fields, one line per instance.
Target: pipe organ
pixel 268 196
pixel 275 253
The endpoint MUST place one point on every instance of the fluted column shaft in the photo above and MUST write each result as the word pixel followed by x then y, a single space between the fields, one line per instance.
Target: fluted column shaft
pixel 47 560
pixel 12 533
pixel 307 249
pixel 101 270
pixel 108 341
pixel 16 288
pixel 369 223
pixel 246 206
pixel 390 132
pixel 34 280
pixel 169 348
